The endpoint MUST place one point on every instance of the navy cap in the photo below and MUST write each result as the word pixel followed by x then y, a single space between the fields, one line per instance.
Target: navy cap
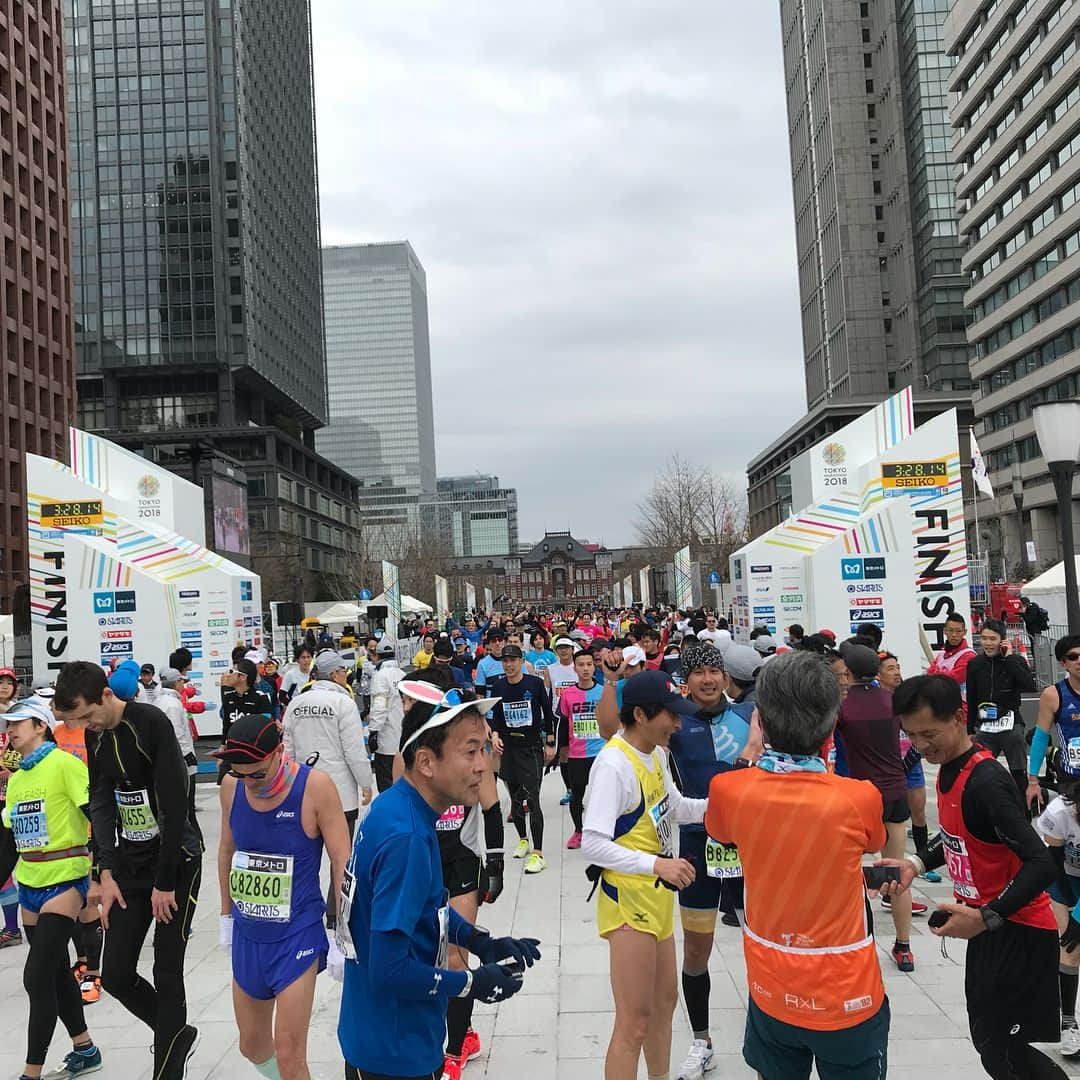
pixel 655 688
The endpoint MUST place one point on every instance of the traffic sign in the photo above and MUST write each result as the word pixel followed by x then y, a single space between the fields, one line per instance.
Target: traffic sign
pixel 714 577
pixel 364 594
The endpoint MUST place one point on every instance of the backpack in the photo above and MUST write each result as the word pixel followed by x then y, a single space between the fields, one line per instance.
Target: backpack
pixel 1037 619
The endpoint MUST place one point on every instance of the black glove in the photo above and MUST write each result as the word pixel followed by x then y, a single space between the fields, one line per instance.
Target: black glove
pixel 493 872
pixel 1071 938
pixel 493 983
pixel 373 742
pixel 488 950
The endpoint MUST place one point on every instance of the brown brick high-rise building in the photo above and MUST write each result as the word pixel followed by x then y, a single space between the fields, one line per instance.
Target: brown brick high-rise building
pixel 37 376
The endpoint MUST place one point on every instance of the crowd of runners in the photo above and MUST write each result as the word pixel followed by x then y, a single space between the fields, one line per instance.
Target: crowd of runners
pixel 768 783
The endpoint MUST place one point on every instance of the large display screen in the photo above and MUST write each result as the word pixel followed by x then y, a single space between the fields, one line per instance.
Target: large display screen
pixel 230 517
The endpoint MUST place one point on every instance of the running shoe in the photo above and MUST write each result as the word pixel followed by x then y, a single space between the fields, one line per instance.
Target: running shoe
pixel 78 970
pixel 565 800
pixel 574 842
pixel 452 1067
pixel 933 877
pixel 470 1045
pixel 184 1044
pixel 730 918
pixel 903 956
pixel 90 988
pixel 522 849
pixel 916 907
pixel 10 937
pixel 1070 1040
pixel 699 1061
pixel 535 863
pixel 77 1063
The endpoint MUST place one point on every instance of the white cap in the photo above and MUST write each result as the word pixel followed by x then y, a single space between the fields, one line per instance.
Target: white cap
pixel 564 641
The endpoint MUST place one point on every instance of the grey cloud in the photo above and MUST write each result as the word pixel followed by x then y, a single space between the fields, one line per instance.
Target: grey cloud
pixel 600 196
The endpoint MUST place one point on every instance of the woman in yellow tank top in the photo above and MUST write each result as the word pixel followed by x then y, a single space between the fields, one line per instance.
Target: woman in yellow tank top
pixel 632 811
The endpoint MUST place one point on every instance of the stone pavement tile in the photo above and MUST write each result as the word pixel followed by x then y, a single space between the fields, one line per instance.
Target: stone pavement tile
pixel 523 1057
pixel 584 1035
pixel 585 993
pixel 941 1054
pixel 527 1016
pixel 585 959
pixel 541 979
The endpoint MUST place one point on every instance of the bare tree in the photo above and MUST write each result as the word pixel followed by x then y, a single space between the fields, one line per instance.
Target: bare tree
pixel 690 505
pixel 667 516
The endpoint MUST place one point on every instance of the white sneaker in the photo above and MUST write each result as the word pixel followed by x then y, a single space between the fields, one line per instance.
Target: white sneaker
pixel 1070 1041
pixel 699 1061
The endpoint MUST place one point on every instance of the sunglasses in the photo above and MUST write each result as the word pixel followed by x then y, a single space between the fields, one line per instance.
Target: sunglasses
pixel 262 775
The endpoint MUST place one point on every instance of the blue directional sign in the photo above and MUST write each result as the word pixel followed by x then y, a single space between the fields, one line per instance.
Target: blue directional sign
pixel 364 594
pixel 714 577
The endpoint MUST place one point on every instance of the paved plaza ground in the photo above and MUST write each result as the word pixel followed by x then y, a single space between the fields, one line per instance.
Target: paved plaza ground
pixel 558 1026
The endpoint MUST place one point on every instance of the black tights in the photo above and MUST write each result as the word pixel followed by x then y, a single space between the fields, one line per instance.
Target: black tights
pixel 162 1007
pixel 1006 1058
pixel 458 1019
pixel 88 939
pixel 578 770
pixel 52 991
pixel 526 772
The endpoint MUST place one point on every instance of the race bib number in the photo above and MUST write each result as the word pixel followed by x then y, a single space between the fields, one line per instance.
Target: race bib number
pixel 1072 855
pixel 661 820
pixel 137 821
pixel 28 825
pixel 586 726
pixel 261 885
pixel 342 933
pixel 992 721
pixel 959 863
pixel 722 860
pixel 452 820
pixel 1071 756
pixel 518 714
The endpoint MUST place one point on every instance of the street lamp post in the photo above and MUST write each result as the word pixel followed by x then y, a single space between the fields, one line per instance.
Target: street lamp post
pixel 1057 426
pixel 1018 502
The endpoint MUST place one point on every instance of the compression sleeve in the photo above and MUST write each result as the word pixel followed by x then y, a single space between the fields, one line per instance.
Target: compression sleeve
pixel 494 830
pixel 933 855
pixel 403 976
pixel 1040 740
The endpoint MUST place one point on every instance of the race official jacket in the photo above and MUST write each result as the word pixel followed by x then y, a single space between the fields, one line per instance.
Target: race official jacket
pixel 324 729
pixel 387 711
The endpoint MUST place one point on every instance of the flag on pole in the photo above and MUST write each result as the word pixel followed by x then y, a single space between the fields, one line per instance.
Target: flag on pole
pixel 978 470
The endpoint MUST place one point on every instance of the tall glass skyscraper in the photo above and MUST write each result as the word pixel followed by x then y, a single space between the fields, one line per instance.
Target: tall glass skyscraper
pixel 196 266
pixel 195 215
pixel 378 358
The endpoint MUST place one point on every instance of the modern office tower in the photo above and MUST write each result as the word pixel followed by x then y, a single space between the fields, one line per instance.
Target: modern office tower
pixel 196 249
pixel 880 285
pixel 1016 119
pixel 378 357
pixel 476 516
pixel 879 259
pixel 37 394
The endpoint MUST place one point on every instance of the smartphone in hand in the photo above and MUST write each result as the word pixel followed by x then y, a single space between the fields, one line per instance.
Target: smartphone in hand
pixel 876 876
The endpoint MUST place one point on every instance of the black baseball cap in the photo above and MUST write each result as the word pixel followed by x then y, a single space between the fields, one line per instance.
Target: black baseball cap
pixel 513 652
pixel 496 635
pixel 252 737
pixel 146 669
pixel 655 688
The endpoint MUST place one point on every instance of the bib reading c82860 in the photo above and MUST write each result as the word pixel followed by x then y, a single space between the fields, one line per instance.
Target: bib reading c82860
pixel 260 885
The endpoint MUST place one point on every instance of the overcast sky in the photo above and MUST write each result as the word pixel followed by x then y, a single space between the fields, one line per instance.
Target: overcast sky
pixel 600 195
